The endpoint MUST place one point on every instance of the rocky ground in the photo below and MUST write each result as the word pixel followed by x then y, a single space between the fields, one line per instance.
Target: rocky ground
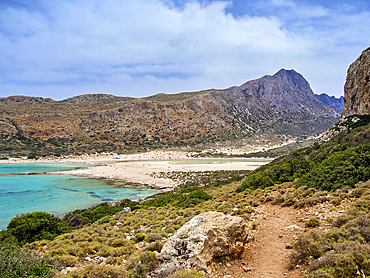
pixel 270 243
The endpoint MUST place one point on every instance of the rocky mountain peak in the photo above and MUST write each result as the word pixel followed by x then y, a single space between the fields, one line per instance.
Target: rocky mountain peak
pixel 293 77
pixel 296 79
pixel 286 90
pixel 357 87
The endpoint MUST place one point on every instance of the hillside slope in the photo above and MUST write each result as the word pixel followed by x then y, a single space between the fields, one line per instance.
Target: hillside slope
pixel 280 104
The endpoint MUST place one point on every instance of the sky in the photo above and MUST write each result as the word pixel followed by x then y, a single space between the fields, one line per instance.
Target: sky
pixel 137 48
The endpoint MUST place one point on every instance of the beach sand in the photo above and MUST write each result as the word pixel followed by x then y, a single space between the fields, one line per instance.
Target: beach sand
pixel 141 171
pixel 139 168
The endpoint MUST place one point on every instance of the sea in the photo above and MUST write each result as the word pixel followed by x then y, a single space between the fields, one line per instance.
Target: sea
pixel 54 193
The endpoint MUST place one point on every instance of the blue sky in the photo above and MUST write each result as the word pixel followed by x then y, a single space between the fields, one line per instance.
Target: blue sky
pixel 62 48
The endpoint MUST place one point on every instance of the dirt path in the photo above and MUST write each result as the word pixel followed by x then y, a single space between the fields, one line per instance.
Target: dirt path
pixel 267 254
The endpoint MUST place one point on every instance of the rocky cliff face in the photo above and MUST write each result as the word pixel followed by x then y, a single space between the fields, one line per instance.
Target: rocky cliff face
pixel 332 102
pixel 357 87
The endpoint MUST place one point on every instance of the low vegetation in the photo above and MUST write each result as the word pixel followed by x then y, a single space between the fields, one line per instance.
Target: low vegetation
pixel 342 161
pixel 344 250
pixel 18 263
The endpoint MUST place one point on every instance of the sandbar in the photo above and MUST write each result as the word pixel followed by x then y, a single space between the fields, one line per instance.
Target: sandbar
pixel 142 172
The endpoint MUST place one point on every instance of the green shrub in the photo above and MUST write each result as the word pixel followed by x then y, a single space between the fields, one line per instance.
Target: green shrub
pixel 140 237
pixel 153 237
pixel 336 201
pixel 345 168
pixel 17 262
pixel 118 242
pixel 141 263
pixel 254 225
pixel 155 246
pixel 67 260
pixel 188 274
pixel 29 227
pixel 97 271
pixel 93 214
pixel 289 202
pixel 320 273
pixel 256 180
pixel 184 198
pixel 313 222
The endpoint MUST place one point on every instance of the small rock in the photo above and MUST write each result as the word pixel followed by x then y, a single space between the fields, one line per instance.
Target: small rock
pixel 292 228
pixel 87 259
pixel 246 269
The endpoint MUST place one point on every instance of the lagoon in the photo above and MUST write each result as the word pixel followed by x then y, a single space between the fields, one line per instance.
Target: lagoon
pixel 56 194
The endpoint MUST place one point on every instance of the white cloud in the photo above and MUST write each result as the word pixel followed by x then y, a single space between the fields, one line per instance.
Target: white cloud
pixel 141 47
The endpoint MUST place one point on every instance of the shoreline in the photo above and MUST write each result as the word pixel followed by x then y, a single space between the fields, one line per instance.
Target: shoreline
pixel 143 172
pixel 141 168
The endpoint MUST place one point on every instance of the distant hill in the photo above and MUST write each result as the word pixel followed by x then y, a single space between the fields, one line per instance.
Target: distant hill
pixel 332 102
pixel 280 104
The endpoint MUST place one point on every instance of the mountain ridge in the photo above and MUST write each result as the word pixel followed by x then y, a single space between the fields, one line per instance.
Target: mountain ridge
pixel 280 104
pixel 332 102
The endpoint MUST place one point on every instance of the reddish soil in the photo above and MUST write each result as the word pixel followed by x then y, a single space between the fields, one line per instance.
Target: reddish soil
pixel 267 254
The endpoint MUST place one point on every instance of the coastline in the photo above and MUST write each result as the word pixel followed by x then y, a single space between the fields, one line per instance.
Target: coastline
pixel 141 168
pixel 144 172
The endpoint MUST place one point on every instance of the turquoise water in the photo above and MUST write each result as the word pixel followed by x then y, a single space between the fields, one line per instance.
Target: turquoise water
pixel 8 168
pixel 55 194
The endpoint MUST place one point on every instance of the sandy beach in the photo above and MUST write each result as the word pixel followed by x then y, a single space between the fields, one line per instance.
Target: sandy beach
pixel 141 168
pixel 142 171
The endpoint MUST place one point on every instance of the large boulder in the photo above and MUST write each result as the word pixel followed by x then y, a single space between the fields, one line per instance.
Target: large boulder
pixel 203 239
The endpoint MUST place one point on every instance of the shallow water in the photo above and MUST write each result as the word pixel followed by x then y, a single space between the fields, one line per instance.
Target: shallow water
pixel 8 168
pixel 55 194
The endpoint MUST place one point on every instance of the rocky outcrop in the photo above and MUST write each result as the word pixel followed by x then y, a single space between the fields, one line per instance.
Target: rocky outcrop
pixel 332 102
pixel 205 238
pixel 25 98
pixel 7 127
pixel 87 97
pixel 357 87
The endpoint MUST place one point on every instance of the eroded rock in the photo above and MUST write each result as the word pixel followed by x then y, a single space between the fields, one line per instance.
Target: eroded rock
pixel 357 87
pixel 203 239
